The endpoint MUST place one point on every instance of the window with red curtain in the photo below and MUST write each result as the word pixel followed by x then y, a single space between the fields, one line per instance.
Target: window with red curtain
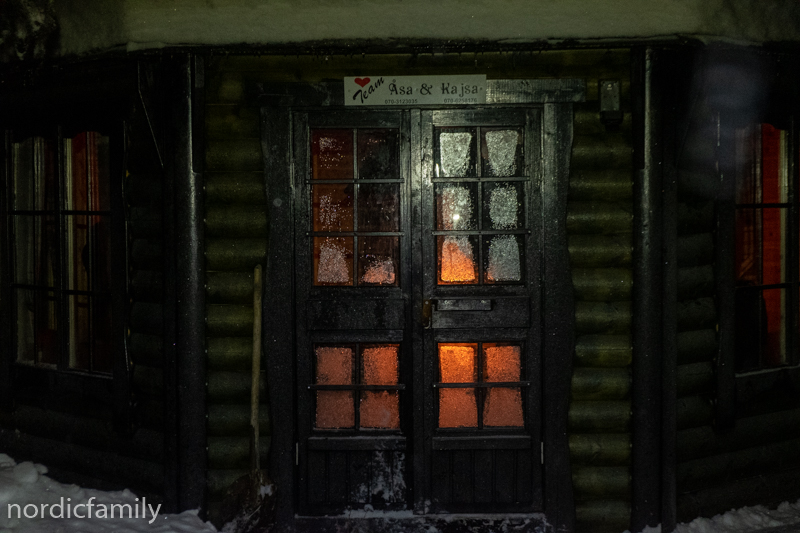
pixel 765 260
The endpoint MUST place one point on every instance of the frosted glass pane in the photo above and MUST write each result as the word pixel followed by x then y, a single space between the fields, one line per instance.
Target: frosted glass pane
pixel 455 207
pixel 380 365
pixel 332 206
pixel 333 261
pixel 503 407
pixel 456 260
pixel 503 207
pixel 332 154
pixel 378 260
pixel 335 409
pixel 502 363
pixel 378 207
pixel 378 154
pixel 457 408
pixel 503 259
pixel 380 410
pixel 501 152
pixel 457 363
pixel 334 365
pixel 455 149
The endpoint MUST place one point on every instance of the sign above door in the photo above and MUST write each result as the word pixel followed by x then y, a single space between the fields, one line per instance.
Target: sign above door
pixel 414 90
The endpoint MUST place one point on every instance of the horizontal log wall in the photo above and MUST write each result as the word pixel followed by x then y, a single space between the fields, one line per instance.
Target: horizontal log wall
pixel 236 237
pixel 599 225
pixel 755 461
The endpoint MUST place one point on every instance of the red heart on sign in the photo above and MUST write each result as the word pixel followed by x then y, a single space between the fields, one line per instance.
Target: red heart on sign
pixel 362 81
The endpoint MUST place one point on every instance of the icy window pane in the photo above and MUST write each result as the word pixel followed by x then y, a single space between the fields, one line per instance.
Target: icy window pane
pixel 334 365
pixel 455 208
pixel 501 147
pixel 332 207
pixel 378 260
pixel 457 408
pixel 378 154
pixel 380 410
pixel 332 154
pixel 502 363
pixel 457 363
pixel 335 409
pixel 456 259
pixel 503 207
pixel 333 261
pixel 454 152
pixel 503 259
pixel 378 207
pixel 380 365
pixel 503 407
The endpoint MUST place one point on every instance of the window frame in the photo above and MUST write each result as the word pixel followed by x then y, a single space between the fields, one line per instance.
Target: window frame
pixel 53 104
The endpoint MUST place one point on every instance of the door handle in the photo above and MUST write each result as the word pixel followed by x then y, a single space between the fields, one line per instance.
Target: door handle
pixel 427 311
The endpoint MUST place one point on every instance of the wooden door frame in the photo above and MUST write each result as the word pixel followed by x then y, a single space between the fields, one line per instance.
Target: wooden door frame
pixel 557 97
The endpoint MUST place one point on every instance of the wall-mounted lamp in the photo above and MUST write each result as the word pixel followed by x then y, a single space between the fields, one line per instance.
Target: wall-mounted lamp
pixel 610 109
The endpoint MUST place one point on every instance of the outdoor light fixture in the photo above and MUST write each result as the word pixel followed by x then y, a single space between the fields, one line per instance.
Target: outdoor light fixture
pixel 610 110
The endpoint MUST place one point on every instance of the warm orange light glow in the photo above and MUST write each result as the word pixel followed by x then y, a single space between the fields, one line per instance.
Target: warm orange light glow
pixel 335 409
pixel 380 365
pixel 334 365
pixel 502 363
pixel 457 408
pixel 457 362
pixel 456 260
pixel 503 407
pixel 380 410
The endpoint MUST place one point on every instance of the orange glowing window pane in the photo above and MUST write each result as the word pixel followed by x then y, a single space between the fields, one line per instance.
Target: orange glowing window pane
pixel 457 408
pixel 334 365
pixel 380 410
pixel 502 362
pixel 333 260
pixel 335 409
pixel 380 365
pixel 503 407
pixel 332 154
pixel 456 260
pixel 457 363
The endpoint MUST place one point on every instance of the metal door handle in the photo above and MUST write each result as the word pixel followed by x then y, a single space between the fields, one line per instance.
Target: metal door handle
pixel 427 311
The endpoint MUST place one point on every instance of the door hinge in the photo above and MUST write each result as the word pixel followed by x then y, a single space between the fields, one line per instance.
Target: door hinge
pixel 541 447
pixel 296 454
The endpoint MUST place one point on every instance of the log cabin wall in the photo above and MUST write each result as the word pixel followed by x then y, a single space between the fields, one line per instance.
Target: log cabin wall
pixel 236 238
pixel 737 435
pixel 599 225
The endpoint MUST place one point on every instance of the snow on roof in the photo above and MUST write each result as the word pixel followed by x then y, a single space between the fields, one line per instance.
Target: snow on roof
pixel 91 25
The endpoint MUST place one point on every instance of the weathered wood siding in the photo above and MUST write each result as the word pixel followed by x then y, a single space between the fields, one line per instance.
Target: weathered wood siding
pixel 236 239
pixel 599 223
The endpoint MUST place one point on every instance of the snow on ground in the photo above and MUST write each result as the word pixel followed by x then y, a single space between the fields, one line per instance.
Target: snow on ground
pixel 26 494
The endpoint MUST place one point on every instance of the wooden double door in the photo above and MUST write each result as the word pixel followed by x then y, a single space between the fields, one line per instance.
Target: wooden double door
pixel 418 337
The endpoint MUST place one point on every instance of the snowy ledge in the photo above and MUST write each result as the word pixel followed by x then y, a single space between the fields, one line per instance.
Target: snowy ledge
pixel 99 25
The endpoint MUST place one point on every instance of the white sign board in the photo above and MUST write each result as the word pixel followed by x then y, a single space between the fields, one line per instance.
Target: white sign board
pixel 415 90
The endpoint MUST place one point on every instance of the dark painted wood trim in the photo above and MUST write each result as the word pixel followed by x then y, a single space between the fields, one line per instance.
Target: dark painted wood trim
pixel 278 324
pixel 667 65
pixel 119 284
pixel 647 296
pixel 725 277
pixel 170 406
pixel 189 315
pixel 6 335
pixel 558 344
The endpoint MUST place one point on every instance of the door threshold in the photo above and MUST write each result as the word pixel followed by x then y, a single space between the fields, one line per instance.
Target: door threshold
pixel 408 522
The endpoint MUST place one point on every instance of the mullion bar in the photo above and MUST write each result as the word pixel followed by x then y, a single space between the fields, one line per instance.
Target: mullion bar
pixel 766 205
pixel 90 237
pixel 479 200
pixel 481 232
pixel 480 396
pixel 356 380
pixel 355 214
pixel 354 233
pixel 484 385
pixel 356 386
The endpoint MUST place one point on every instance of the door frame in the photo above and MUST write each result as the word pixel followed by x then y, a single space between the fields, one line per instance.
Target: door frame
pixel 556 97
